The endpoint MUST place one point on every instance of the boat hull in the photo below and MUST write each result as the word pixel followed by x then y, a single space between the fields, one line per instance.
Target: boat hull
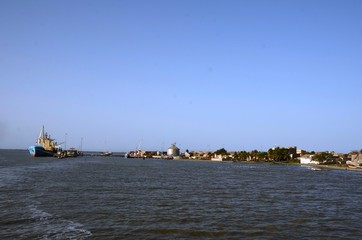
pixel 38 151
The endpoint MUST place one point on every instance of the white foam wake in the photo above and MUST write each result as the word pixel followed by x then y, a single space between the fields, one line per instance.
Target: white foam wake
pixel 55 227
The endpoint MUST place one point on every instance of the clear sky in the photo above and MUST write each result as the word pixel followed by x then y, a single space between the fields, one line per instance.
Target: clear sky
pixel 205 74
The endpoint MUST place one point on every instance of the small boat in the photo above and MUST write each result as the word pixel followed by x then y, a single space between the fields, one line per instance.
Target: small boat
pixel 315 169
pixel 46 146
pixel 72 152
pixel 135 154
pixel 106 154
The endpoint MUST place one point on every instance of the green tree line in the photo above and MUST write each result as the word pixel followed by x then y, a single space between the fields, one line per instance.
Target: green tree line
pixel 273 155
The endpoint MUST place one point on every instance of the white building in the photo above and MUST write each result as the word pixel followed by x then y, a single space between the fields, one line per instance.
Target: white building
pixel 217 158
pixel 307 159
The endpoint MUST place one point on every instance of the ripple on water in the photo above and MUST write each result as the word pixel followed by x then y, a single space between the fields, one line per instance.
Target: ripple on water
pixel 55 227
pixel 110 198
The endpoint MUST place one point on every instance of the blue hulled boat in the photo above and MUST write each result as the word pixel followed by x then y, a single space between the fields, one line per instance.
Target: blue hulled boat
pixel 46 147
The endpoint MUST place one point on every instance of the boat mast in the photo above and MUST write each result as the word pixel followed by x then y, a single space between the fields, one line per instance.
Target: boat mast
pixel 41 136
pixel 139 145
pixel 81 143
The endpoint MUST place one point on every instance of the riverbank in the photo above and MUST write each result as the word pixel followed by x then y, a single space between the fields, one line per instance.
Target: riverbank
pixel 317 166
pixel 333 167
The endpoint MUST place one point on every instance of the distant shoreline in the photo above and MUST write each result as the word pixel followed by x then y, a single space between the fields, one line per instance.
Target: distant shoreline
pixel 325 167
pixel 334 167
pixel 322 167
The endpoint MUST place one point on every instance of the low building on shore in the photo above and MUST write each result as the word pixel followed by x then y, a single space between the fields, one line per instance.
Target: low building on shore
pixel 307 159
pixel 217 157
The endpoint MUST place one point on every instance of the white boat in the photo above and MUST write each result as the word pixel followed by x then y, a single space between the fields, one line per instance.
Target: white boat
pixel 106 154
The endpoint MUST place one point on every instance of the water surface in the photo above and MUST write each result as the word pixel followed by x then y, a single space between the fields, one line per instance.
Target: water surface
pixel 117 198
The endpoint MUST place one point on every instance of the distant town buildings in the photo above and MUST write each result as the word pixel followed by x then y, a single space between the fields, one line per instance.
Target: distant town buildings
pixel 275 154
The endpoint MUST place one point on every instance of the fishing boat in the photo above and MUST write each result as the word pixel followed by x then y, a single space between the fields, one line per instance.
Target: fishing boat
pixel 45 146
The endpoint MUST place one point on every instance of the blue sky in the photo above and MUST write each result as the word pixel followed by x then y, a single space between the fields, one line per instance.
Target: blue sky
pixel 241 75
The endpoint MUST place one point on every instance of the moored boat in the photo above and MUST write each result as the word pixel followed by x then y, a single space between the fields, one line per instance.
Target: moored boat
pixel 135 154
pixel 106 154
pixel 72 152
pixel 46 146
